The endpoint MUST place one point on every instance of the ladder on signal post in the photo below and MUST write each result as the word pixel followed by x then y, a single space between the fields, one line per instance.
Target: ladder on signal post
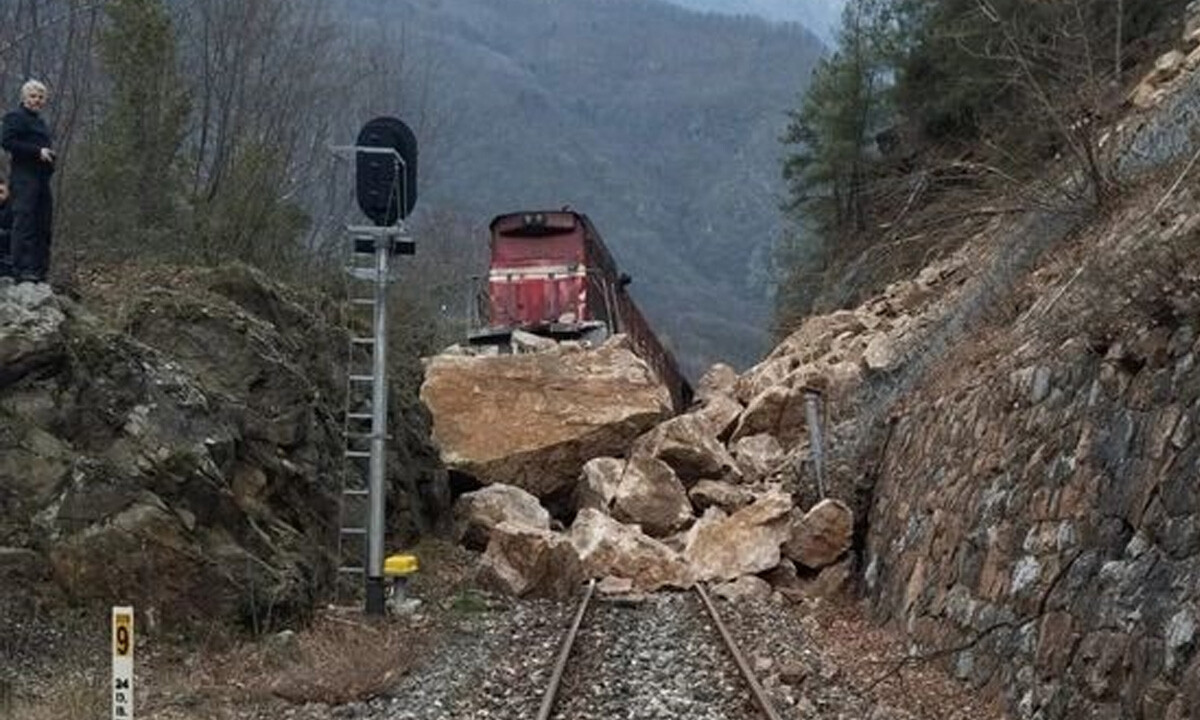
pixel 360 511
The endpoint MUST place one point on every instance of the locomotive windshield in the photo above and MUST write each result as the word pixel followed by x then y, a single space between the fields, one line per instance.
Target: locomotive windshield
pixel 539 224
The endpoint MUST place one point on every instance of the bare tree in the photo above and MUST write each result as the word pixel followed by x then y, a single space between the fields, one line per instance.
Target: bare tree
pixel 1051 49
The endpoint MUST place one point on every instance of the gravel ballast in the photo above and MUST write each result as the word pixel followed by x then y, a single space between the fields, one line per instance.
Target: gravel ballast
pixel 657 658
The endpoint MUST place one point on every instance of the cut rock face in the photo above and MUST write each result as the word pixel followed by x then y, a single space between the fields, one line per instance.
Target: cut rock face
pixel 198 421
pixel 30 329
pixel 533 420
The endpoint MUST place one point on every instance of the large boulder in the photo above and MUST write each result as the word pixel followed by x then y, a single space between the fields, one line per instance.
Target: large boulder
pixel 881 354
pixel 718 493
pixel 778 411
pixel 650 495
pixel 821 535
pixel 719 413
pixel 477 513
pixel 533 420
pixel 527 562
pixel 718 380
pixel 745 588
pixel 610 548
pixel 724 547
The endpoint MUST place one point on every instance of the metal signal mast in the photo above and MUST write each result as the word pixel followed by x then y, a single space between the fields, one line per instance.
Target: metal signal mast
pixel 385 155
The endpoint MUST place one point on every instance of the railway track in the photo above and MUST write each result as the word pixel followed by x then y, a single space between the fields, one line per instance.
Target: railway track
pixel 694 667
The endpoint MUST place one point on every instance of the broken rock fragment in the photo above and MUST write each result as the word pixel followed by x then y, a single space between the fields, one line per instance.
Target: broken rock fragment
pixel 721 546
pixel 608 547
pixel 821 535
pixel 476 513
pixel 526 562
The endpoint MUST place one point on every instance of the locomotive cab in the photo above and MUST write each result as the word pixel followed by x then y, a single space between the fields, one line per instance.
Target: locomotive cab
pixel 543 278
pixel 551 275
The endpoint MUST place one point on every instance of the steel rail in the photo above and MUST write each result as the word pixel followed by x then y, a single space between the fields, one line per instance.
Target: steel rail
pixel 756 689
pixel 563 655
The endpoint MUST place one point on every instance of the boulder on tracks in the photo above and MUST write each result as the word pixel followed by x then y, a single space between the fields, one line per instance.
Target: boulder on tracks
pixel 533 420
pixel 724 547
pixel 527 562
pixel 650 495
pixel 609 548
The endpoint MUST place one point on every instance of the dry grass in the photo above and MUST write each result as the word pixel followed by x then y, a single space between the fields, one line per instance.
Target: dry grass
pixel 342 657
pixel 215 672
pixel 341 660
pixel 75 697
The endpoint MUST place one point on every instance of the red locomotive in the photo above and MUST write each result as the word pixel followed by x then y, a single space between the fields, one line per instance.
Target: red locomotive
pixel 550 274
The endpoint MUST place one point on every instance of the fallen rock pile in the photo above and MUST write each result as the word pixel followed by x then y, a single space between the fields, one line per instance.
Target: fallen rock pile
pixel 723 492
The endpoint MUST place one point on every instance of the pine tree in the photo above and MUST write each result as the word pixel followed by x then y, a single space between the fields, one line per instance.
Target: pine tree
pixel 831 140
pixel 132 180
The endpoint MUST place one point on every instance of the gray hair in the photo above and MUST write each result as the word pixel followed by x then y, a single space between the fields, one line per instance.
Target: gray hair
pixel 31 86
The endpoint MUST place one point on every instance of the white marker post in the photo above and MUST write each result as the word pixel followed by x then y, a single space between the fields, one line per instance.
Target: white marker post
pixel 122 645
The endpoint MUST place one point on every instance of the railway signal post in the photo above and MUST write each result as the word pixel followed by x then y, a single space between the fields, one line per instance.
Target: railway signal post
pixel 385 156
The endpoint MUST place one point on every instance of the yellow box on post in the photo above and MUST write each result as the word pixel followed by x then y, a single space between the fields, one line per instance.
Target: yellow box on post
pixel 399 567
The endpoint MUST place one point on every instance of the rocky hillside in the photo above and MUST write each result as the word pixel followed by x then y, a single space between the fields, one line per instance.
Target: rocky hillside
pixel 175 442
pixel 1035 505
pixel 1036 509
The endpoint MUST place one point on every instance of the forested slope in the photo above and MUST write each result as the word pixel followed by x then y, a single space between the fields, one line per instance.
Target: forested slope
pixel 660 123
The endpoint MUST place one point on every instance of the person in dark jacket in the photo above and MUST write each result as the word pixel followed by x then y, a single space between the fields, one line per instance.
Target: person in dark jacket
pixel 5 231
pixel 27 138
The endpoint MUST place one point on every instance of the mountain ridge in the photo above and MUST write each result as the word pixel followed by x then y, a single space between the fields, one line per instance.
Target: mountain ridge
pixel 820 16
pixel 658 122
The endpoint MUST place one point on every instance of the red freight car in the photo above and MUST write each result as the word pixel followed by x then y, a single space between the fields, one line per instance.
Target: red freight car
pixel 550 274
